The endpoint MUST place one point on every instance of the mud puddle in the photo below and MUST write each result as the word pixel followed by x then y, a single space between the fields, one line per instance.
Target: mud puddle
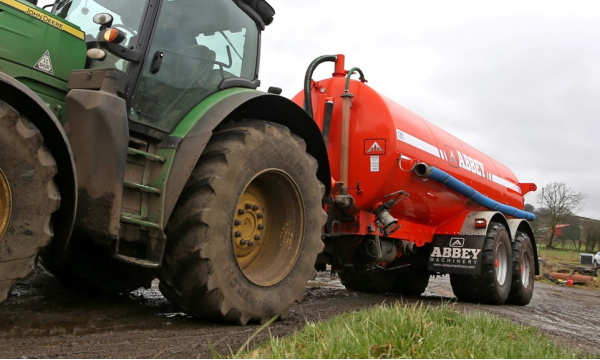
pixel 45 320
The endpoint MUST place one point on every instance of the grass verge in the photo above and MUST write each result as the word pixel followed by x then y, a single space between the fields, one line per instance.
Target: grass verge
pixel 402 331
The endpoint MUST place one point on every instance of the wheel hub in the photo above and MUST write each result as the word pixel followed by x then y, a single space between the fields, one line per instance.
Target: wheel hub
pixel 268 227
pixel 525 268
pixel 5 204
pixel 501 264
pixel 248 229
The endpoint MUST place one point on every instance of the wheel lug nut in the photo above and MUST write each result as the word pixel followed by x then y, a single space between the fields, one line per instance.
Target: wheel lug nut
pixel 243 242
pixel 256 237
pixel 238 234
pixel 248 206
pixel 250 243
pixel 241 211
pixel 237 222
pixel 260 216
pixel 261 227
pixel 255 207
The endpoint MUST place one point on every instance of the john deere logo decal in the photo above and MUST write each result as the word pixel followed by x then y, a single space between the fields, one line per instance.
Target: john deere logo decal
pixel 45 64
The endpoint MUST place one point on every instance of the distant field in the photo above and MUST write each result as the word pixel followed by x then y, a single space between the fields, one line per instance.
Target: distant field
pixel 559 255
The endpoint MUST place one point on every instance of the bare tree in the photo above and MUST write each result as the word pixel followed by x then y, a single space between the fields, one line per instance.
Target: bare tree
pixel 561 201
pixel 591 229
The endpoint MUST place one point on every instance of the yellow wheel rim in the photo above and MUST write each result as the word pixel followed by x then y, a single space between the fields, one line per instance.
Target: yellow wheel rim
pixel 268 228
pixel 5 204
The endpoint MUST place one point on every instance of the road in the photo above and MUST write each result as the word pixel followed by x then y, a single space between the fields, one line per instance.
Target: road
pixel 45 320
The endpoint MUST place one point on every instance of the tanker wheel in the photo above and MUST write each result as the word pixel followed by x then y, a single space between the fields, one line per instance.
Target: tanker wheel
pixel 494 283
pixel 89 268
pixel 245 234
pixel 369 281
pixel 399 281
pixel 523 270
pixel 28 196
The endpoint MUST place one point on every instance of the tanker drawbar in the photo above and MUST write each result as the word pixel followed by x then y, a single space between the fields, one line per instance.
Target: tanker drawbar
pixel 407 197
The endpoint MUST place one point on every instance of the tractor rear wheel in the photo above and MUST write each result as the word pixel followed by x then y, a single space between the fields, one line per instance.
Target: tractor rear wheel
pixel 245 234
pixel 28 196
pixel 523 270
pixel 494 283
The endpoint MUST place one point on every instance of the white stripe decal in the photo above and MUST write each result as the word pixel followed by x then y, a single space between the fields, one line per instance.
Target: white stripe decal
pixel 500 181
pixel 418 143
pixel 439 153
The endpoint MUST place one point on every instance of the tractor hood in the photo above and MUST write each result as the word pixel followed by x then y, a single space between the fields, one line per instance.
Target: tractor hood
pixel 38 47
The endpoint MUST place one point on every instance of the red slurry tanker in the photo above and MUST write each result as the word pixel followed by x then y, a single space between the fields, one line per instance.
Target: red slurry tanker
pixel 135 144
pixel 414 201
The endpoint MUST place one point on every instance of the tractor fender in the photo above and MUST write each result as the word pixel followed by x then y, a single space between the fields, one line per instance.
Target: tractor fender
pixel 245 105
pixel 29 104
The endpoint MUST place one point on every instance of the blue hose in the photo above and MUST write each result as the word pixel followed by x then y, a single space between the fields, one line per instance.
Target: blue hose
pixel 470 193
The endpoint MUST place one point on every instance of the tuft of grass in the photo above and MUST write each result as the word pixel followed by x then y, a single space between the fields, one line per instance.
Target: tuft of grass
pixel 402 331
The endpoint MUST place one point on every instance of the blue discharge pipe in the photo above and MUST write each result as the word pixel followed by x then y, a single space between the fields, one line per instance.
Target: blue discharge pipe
pixel 426 171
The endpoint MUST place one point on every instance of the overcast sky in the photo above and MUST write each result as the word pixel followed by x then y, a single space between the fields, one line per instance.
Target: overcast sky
pixel 518 80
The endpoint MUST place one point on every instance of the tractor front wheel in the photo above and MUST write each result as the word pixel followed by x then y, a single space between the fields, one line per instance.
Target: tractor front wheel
pixel 28 196
pixel 246 231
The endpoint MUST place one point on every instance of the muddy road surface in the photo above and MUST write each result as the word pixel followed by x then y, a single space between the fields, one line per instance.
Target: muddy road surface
pixel 43 319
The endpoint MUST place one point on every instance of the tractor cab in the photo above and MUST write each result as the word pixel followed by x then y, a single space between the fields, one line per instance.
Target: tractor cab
pixel 175 53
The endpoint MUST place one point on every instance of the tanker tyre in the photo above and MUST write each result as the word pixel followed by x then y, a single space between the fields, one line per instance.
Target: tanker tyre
pixel 462 287
pixel 28 196
pixel 523 270
pixel 413 283
pixel 369 281
pixel 399 281
pixel 494 283
pixel 89 268
pixel 245 234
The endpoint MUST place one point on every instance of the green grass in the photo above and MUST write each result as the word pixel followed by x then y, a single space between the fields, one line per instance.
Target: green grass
pixel 559 255
pixel 402 331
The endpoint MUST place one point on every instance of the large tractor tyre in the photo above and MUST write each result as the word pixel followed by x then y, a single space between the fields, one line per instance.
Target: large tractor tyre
pixel 398 281
pixel 245 234
pixel 89 268
pixel 523 270
pixel 28 196
pixel 494 283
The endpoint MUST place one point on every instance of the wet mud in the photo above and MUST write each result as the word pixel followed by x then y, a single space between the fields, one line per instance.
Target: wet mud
pixel 43 319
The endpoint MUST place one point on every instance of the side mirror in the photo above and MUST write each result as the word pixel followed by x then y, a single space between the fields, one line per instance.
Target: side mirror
pixel 105 20
pixel 265 11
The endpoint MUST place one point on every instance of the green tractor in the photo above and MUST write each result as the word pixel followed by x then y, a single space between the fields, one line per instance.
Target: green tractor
pixel 134 144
